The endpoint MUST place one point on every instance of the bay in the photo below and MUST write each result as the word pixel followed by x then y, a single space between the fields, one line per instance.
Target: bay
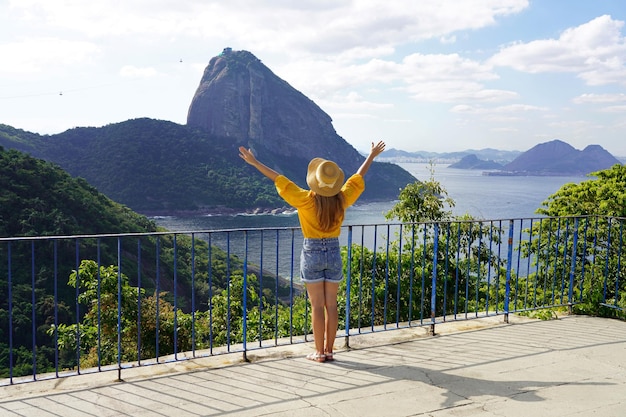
pixel 482 196
pixel 493 197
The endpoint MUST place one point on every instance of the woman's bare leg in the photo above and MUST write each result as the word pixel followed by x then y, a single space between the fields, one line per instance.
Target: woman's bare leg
pixel 332 314
pixel 317 298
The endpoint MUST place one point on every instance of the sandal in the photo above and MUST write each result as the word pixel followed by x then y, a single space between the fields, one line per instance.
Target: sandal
pixel 329 356
pixel 316 357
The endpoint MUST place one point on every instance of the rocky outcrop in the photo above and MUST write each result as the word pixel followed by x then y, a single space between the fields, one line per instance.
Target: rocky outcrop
pixel 559 158
pixel 472 162
pixel 241 100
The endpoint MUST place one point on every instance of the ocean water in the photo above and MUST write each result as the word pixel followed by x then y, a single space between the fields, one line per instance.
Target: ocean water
pixel 493 197
pixel 482 196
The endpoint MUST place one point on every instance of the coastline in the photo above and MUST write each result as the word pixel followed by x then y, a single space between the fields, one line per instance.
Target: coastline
pixel 218 211
pixel 239 211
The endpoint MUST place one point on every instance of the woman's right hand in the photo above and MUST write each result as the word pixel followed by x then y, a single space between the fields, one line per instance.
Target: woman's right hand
pixel 247 155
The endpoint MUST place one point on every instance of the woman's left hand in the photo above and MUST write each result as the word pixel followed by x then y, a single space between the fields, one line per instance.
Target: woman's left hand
pixel 377 149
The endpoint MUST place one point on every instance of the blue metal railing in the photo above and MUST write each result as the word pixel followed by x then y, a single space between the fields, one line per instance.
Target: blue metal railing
pixel 79 304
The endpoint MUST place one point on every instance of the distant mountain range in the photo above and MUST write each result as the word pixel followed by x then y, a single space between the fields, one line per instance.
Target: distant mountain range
pixel 550 158
pixel 559 158
pixel 488 154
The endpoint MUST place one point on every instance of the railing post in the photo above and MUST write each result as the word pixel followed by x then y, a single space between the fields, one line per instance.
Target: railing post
pixel 509 262
pixel 77 306
pixel 175 242
pixel 56 310
pixel 119 309
pixel 33 309
pixel 10 302
pixel 138 297
pixel 570 295
pixel 245 298
pixel 157 297
pixel 619 262
pixel 433 295
pixel 348 282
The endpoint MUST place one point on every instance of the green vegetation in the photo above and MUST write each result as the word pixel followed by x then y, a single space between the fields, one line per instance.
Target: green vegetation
pixel 160 167
pixel 40 199
pixel 153 166
pixel 397 283
pixel 141 314
pixel 204 299
pixel 603 196
pixel 422 202
pixel 400 280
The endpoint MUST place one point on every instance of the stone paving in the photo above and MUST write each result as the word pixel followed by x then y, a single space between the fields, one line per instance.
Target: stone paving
pixel 571 366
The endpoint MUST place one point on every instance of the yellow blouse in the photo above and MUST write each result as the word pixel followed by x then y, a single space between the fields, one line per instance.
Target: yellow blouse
pixel 304 201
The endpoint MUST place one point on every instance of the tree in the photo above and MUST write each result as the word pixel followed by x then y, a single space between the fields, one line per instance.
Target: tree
pixel 604 196
pixel 150 326
pixel 422 201
pixel 397 281
pixel 593 211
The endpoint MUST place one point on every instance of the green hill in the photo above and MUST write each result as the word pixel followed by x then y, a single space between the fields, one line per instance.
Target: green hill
pixel 151 166
pixel 160 167
pixel 38 198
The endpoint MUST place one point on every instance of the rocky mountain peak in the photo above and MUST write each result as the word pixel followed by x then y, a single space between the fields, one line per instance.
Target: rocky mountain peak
pixel 241 100
pixel 559 158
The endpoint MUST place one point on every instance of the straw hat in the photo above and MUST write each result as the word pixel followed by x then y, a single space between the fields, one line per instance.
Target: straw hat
pixel 324 177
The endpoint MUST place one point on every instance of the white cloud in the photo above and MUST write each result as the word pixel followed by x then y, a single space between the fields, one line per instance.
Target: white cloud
pixel 573 124
pixel 512 108
pixel 596 51
pixel 448 78
pixel 424 77
pixel 447 39
pixel 353 101
pixel 505 130
pixel 599 98
pixel 509 114
pixel 325 47
pixel 36 55
pixel 106 17
pixel 614 109
pixel 313 26
pixel 129 71
pixel 355 116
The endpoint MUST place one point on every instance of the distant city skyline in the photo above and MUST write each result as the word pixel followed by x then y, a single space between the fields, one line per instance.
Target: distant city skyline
pixel 432 76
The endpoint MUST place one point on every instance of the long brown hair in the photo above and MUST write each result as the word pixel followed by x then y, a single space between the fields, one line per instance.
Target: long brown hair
pixel 329 210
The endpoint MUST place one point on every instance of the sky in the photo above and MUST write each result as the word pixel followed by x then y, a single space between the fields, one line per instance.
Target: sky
pixel 432 75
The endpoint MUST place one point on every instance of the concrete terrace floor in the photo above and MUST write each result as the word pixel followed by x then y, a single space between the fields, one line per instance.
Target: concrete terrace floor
pixel 572 366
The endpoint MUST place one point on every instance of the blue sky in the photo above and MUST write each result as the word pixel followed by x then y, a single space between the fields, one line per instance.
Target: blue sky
pixel 445 75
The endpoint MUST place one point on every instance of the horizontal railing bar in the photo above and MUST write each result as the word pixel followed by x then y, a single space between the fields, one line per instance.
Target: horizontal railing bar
pixel 249 229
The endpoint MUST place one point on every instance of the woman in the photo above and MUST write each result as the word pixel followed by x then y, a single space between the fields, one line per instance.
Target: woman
pixel 321 212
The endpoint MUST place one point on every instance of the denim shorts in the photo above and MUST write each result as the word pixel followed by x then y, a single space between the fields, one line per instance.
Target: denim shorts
pixel 320 260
